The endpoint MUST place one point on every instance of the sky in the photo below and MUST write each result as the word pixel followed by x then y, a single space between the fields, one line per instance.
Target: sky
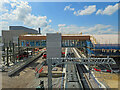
pixel 63 17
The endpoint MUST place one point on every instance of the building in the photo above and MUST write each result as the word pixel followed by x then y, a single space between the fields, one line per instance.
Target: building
pixel 106 44
pixel 14 32
pixel 96 45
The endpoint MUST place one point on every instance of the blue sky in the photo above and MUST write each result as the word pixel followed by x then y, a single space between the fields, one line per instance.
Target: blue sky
pixel 55 12
pixel 64 17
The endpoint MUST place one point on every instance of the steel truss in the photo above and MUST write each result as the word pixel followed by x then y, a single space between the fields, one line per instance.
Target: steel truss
pixel 86 61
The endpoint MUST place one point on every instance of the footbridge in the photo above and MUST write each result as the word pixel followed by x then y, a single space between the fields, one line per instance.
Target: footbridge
pixel 66 40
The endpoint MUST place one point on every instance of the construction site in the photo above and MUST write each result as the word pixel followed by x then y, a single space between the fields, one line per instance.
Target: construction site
pixel 61 61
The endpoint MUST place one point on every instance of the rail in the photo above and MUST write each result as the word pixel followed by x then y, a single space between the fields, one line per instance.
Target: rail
pixel 81 86
pixel 18 67
pixel 98 83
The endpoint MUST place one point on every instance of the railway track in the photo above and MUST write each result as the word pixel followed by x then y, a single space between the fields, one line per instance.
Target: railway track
pixel 82 71
pixel 21 66
pixel 92 82
pixel 83 74
pixel 76 77
pixel 72 80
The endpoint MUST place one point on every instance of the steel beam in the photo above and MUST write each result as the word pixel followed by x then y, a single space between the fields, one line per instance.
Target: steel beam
pixel 88 61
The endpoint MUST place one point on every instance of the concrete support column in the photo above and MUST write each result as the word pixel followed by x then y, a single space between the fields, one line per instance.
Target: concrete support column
pixel 19 48
pixel 53 51
pixel 20 43
pixel 50 74
pixel 80 43
pixel 13 53
pixel 27 50
pixel 69 43
pixel 35 43
pixel 10 51
pixel 24 43
pixel 40 43
pixel 64 43
pixel 28 43
pixel 7 56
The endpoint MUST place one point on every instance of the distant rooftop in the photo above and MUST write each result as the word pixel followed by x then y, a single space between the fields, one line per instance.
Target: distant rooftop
pixel 33 35
pixel 75 34
pixel 100 39
pixel 62 35
pixel 107 38
pixel 20 28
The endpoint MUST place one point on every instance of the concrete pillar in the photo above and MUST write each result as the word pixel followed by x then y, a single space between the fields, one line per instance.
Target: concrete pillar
pixel 13 53
pixel 68 42
pixel 24 43
pixel 40 43
pixel 10 51
pixel 29 42
pixel 54 46
pixel 19 49
pixel 50 74
pixel 35 43
pixel 74 43
pixel 7 56
pixel 53 51
pixel 20 43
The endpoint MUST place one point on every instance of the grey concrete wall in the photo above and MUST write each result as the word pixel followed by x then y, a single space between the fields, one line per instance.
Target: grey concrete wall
pixel 53 45
pixel 15 32
pixel 8 36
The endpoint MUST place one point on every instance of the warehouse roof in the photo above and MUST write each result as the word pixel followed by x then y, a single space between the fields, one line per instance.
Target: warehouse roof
pixel 107 38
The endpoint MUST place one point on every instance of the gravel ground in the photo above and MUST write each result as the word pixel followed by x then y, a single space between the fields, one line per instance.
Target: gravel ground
pixel 26 78
pixel 111 80
pixel 22 79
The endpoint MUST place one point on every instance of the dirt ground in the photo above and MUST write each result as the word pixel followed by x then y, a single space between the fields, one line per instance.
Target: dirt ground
pixel 111 80
pixel 21 79
pixel 26 78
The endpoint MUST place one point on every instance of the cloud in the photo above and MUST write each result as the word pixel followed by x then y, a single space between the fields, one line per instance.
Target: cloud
pixel 36 21
pixel 48 29
pixel 13 5
pixel 68 8
pixel 61 25
pixel 87 10
pixel 109 10
pixel 3 26
pixel 21 12
pixel 4 1
pixel 2 5
pixel 96 29
pixel 50 20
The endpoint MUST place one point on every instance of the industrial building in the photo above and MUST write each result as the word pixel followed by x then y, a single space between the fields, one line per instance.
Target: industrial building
pixel 104 45
pixel 14 32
